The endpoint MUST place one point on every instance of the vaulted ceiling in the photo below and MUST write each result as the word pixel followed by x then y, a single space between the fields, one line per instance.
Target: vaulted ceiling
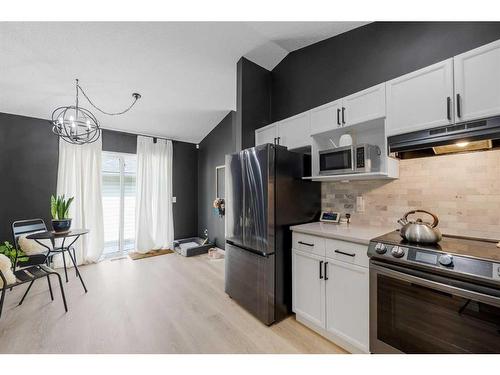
pixel 185 71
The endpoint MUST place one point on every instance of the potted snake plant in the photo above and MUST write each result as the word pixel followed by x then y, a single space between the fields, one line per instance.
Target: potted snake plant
pixel 59 208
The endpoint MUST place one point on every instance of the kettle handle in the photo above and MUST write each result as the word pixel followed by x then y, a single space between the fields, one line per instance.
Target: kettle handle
pixel 434 217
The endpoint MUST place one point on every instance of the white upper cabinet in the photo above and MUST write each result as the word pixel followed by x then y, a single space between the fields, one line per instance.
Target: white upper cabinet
pixel 295 132
pixel 308 287
pixel 267 134
pixel 354 109
pixel 364 106
pixel 326 117
pixel 477 83
pixel 420 100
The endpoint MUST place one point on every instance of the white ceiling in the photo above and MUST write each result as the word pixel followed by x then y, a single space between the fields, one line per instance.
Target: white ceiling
pixel 185 71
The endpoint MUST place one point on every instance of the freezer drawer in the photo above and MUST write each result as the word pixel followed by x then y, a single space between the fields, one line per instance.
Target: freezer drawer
pixel 250 281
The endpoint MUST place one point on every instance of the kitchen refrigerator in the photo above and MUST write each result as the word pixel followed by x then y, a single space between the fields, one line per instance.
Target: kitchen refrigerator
pixel 265 195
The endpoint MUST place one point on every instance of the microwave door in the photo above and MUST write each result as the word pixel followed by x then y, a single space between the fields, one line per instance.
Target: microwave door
pixel 336 161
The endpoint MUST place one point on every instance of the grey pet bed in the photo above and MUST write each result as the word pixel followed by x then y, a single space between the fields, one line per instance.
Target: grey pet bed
pixel 192 246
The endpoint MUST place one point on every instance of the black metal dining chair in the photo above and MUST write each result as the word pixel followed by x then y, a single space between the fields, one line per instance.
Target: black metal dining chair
pixel 27 269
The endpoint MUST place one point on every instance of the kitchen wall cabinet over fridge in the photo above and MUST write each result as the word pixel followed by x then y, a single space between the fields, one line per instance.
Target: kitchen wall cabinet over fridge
pixel 293 132
pixel 267 134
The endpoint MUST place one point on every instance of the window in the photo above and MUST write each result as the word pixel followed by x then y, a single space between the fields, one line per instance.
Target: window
pixel 118 199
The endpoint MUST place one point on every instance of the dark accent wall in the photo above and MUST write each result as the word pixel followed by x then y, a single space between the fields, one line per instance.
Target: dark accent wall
pixel 29 155
pixel 119 141
pixel 253 100
pixel 185 189
pixel 367 56
pixel 211 154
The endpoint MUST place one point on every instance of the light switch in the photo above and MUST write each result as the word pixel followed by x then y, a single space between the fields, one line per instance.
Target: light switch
pixel 174 199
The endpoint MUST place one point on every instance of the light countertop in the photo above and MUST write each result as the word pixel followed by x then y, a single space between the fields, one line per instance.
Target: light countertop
pixel 358 233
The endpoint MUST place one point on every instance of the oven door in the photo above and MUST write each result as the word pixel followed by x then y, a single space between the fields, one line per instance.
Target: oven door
pixel 412 311
pixel 337 161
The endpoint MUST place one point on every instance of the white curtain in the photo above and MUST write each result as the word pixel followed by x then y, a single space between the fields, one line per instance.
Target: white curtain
pixel 154 217
pixel 79 176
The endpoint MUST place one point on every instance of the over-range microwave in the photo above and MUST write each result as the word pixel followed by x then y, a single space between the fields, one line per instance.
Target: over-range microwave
pixel 360 158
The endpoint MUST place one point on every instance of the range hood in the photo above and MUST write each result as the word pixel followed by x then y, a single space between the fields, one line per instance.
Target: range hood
pixel 461 137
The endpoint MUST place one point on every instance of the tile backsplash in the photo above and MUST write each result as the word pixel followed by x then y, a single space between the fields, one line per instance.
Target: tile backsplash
pixel 463 190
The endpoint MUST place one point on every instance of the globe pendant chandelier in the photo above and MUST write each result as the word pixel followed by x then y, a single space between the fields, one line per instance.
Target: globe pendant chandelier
pixel 77 125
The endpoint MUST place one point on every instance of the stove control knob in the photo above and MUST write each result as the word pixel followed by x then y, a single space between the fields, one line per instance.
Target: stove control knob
pixel 398 252
pixel 380 248
pixel 446 260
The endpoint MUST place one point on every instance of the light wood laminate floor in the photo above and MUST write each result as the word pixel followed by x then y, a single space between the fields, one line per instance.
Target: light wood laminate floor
pixel 165 304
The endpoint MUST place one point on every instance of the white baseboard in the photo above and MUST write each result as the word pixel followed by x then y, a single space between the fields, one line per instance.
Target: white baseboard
pixel 336 339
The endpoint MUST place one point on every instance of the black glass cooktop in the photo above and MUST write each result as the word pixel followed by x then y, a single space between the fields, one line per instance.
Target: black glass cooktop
pixel 473 247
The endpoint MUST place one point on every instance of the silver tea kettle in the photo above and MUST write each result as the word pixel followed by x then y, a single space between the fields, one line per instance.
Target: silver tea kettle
pixel 418 230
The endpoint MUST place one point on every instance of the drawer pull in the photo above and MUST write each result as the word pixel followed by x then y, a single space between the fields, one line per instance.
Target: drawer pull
pixel 344 253
pixel 320 269
pixel 326 273
pixel 307 244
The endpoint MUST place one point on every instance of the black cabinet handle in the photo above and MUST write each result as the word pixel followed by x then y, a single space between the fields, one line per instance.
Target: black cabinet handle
pixel 344 253
pixel 279 140
pixel 275 141
pixel 320 269
pixel 307 244
pixel 343 115
pixel 326 273
pixel 338 116
pixel 459 106
pixel 448 108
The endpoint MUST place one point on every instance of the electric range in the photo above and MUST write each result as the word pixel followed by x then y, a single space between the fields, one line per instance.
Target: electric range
pixel 442 298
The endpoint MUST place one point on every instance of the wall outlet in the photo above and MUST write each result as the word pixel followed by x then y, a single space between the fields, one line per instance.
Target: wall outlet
pixel 174 199
pixel 360 204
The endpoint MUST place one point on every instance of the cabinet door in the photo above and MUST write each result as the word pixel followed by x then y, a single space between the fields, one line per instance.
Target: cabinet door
pixel 326 117
pixel 347 303
pixel 308 299
pixel 364 106
pixel 477 83
pixel 420 100
pixel 266 134
pixel 295 132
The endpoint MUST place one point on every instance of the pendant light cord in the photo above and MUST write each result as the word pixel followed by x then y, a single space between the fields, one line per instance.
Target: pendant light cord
pixel 135 95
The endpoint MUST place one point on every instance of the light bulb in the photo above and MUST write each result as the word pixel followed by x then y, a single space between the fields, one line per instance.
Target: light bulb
pixel 60 119
pixel 88 125
pixel 462 144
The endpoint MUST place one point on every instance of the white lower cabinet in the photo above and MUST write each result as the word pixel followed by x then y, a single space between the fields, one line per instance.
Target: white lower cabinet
pixel 308 288
pixel 331 296
pixel 347 304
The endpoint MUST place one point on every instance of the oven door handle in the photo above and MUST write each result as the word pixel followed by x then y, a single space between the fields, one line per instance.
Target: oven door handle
pixel 483 296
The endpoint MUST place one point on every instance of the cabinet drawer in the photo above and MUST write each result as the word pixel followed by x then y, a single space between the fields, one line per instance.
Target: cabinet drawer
pixel 309 244
pixel 347 252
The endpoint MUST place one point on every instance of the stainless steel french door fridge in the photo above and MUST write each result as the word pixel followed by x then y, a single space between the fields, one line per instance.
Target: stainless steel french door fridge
pixel 265 194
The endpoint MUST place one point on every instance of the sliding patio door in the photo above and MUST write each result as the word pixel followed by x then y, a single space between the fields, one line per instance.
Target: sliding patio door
pixel 118 198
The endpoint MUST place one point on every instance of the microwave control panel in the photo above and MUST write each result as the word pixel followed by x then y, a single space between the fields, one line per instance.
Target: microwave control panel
pixel 360 157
